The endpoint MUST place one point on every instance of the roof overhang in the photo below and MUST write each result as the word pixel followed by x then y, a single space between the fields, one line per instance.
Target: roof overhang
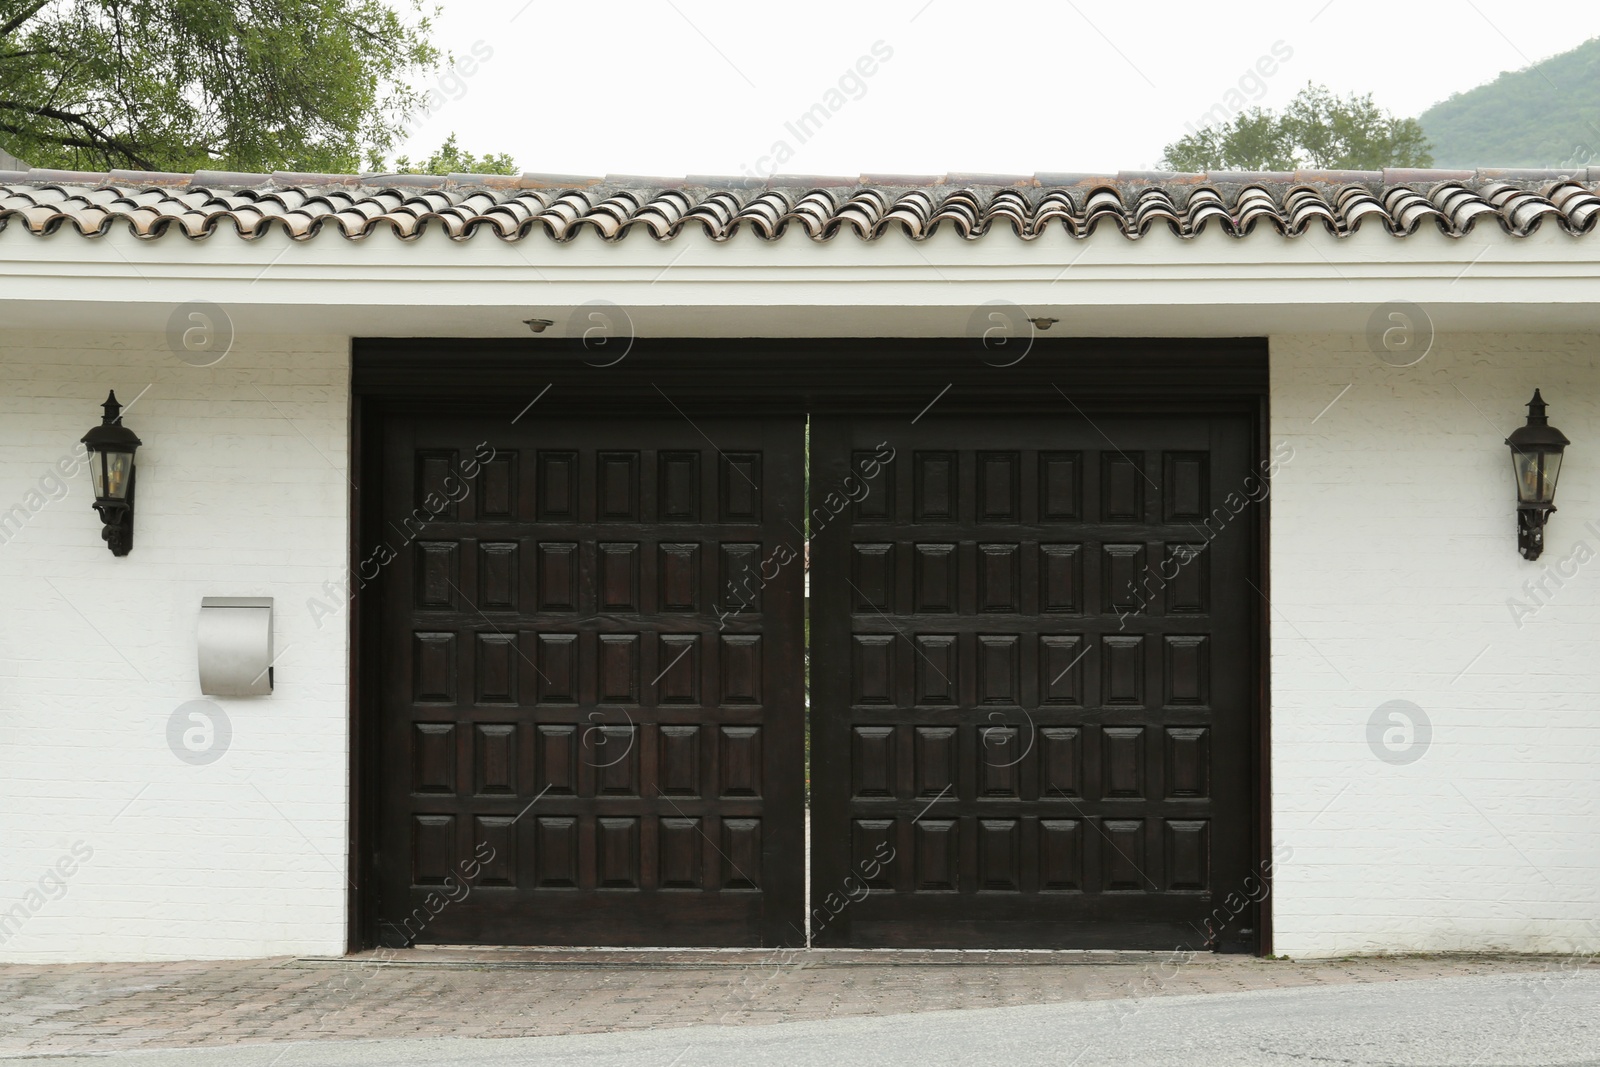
pixel 1102 285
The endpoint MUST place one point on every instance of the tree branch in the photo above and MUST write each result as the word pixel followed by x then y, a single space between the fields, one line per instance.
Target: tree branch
pixel 16 23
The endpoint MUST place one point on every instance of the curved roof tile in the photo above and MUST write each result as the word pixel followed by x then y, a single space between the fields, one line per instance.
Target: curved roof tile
pixel 559 207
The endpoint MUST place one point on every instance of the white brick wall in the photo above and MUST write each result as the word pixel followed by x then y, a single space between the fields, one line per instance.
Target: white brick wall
pixel 1393 558
pixel 242 491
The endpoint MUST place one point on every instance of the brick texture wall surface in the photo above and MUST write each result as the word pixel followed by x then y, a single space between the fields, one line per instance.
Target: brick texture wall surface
pixel 1395 577
pixel 113 846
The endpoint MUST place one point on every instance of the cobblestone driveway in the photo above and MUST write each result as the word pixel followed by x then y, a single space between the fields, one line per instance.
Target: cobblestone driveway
pixel 495 993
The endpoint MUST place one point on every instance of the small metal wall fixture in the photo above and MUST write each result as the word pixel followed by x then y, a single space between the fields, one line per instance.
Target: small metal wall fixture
pixel 111 447
pixel 1536 451
pixel 234 639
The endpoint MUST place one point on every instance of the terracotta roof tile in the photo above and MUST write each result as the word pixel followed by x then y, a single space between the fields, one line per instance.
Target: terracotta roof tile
pixel 560 207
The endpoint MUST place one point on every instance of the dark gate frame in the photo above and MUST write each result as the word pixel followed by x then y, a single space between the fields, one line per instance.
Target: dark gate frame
pixel 756 376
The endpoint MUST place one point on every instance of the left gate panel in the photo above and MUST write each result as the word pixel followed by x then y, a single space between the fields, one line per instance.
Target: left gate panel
pixel 590 682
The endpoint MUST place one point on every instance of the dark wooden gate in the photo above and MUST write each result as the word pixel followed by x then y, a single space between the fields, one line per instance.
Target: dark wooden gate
pixel 1037 652
pixel 1034 679
pixel 591 710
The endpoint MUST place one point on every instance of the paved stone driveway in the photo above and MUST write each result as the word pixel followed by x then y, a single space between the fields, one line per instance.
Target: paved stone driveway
pixel 499 993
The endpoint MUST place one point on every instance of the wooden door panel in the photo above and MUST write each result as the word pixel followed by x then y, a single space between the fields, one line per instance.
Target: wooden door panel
pixel 592 706
pixel 1034 680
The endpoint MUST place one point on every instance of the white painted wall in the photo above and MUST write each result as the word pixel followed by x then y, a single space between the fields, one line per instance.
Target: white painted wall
pixel 242 491
pixel 1393 559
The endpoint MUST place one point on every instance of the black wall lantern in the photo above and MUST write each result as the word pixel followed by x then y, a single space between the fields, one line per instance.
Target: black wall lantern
pixel 111 448
pixel 1536 458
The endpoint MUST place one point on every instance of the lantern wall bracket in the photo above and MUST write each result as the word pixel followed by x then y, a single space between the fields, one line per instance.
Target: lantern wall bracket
pixel 117 520
pixel 1530 530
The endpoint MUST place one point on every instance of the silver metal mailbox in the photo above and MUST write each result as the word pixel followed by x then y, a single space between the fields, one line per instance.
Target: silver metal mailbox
pixel 235 641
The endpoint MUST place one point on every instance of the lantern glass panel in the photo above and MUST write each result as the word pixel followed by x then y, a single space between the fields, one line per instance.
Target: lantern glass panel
pixel 118 467
pixel 1536 475
pixel 97 474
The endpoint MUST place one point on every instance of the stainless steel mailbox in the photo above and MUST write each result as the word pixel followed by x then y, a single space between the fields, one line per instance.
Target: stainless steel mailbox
pixel 235 646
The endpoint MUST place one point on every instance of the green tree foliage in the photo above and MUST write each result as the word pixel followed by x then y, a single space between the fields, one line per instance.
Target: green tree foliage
pixel 1547 115
pixel 249 85
pixel 1317 129
pixel 450 159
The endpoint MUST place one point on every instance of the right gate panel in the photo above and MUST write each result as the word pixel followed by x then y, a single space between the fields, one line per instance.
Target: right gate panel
pixel 1034 681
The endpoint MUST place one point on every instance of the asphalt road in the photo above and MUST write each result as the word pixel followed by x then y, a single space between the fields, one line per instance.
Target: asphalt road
pixel 1545 1018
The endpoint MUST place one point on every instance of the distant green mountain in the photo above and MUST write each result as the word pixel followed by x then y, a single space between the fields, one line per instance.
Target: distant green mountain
pixel 1547 115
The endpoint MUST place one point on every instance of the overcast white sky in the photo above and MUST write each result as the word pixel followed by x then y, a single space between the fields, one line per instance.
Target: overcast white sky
pixel 674 87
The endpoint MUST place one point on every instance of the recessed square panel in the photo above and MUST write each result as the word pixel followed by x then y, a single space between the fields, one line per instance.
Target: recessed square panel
pixel 438 487
pixel 1061 669
pixel 1060 855
pixel 433 663
pixel 678 495
pixel 1188 848
pixel 498 832
pixel 999 855
pixel 740 852
pixel 1122 485
pixel 1060 762
pixel 679 771
pixel 999 578
pixel 936 855
pixel 1060 486
pixel 1129 584
pixel 1188 590
pixel 1122 862
pixel 677 678
pixel 935 488
pixel 934 579
pixel 496 490
pixel 555 852
pixel 682 851
pixel 438 575
pixel 433 848
pixel 936 670
pixel 433 757
pixel 872 578
pixel 617 492
pixel 742 578
pixel 740 476
pixel 679 567
pixel 497 575
pixel 557 661
pixel 872 767
pixel 616 852
pixel 1186 668
pixel 556 759
pixel 1188 762
pixel 494 759
pixel 874 502
pixel 872 668
pixel 935 761
pixel 557 486
pixel 1186 486
pixel 999 669
pixel 999 476
pixel 618 669
pixel 1122 764
pixel 496 668
pixel 558 576
pixel 1061 579
pixel 739 773
pixel 619 577
pixel 741 669
pixel 1122 670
